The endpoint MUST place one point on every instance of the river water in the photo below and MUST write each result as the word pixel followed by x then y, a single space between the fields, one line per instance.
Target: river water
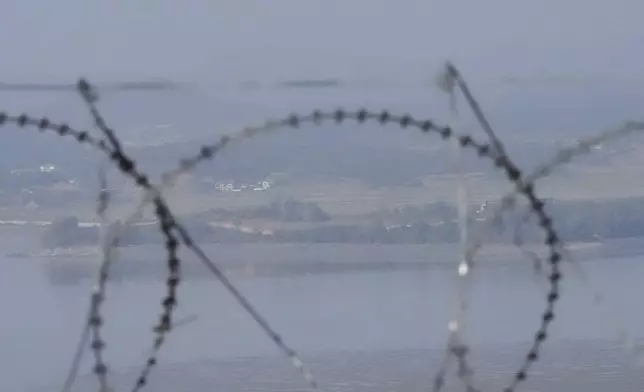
pixel 360 331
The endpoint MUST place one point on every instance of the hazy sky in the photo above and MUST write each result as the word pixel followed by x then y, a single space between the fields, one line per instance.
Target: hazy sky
pixel 243 39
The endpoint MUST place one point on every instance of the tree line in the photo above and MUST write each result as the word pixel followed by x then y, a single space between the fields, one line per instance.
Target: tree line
pixel 583 221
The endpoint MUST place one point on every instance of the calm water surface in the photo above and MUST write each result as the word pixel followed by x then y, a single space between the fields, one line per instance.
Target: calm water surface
pixel 366 331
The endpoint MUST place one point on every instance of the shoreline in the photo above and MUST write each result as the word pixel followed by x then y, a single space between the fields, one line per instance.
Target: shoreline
pixel 288 260
pixel 488 252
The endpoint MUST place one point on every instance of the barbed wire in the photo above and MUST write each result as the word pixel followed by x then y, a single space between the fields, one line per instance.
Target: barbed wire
pixel 509 202
pixel 175 234
pixel 484 150
pixel 102 203
pixel 512 173
pixel 168 225
pixel 166 222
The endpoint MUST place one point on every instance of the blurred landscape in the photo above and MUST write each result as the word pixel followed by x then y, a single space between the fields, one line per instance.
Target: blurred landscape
pixel 353 185
pixel 343 237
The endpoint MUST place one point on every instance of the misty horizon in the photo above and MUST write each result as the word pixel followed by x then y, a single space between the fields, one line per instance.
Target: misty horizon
pixel 214 42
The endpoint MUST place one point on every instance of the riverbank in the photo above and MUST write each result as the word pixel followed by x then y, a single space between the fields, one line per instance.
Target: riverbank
pixel 257 260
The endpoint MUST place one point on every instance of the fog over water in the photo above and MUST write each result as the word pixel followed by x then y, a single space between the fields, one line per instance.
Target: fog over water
pixel 367 330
